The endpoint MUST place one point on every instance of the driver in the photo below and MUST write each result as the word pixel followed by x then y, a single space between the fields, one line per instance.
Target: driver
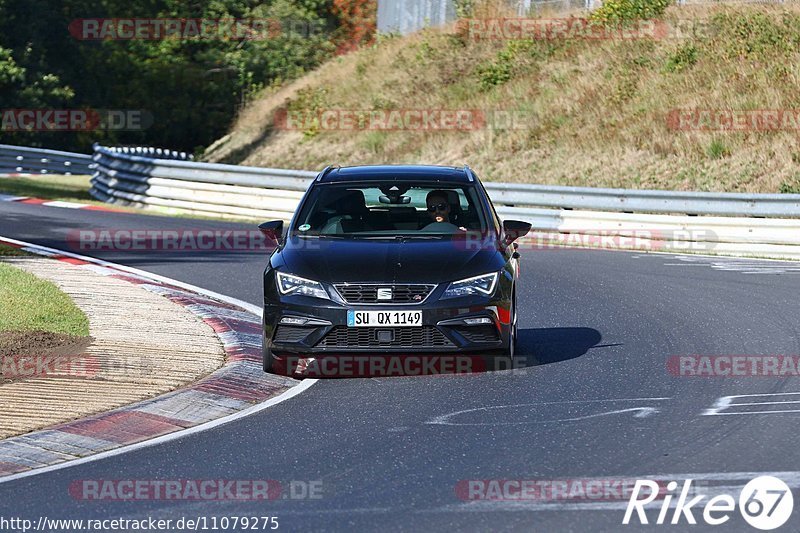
pixel 439 211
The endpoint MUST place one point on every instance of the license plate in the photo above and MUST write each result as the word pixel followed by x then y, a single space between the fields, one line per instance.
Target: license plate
pixel 357 319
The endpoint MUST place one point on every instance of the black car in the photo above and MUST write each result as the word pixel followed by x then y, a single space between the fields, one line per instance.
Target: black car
pixel 395 260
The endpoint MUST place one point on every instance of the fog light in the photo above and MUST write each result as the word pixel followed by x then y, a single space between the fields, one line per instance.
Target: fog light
pixel 293 321
pixel 477 321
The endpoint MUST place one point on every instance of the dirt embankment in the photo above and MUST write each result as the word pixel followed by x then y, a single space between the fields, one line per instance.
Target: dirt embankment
pixel 21 350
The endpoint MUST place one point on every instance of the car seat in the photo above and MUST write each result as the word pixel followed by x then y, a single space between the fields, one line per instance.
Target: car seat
pixel 351 208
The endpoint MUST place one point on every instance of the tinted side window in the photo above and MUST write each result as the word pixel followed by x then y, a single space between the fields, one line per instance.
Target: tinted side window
pixel 495 219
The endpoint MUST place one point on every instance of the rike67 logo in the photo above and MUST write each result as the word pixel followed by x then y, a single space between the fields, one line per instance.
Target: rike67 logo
pixel 765 503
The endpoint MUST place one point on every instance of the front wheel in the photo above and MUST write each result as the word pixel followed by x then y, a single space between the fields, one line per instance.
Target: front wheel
pixel 511 348
pixel 503 358
pixel 266 354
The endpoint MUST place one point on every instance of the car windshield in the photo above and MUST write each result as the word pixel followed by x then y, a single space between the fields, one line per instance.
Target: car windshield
pixel 390 209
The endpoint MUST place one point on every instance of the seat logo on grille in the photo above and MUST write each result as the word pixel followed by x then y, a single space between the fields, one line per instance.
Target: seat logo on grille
pixel 384 294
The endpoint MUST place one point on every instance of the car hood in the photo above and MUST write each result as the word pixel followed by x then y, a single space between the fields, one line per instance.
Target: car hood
pixel 435 260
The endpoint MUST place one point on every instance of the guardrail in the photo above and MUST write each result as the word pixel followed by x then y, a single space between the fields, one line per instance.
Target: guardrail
pixel 647 201
pixel 205 188
pixel 135 174
pixel 731 223
pixel 24 160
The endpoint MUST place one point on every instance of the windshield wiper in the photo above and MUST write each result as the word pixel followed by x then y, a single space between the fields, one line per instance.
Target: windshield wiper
pixel 320 236
pixel 401 237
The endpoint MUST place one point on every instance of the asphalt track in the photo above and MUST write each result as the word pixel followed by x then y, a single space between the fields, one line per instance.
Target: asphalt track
pixel 594 399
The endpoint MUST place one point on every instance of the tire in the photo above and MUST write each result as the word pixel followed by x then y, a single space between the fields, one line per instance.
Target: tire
pixel 266 354
pixel 503 358
pixel 511 349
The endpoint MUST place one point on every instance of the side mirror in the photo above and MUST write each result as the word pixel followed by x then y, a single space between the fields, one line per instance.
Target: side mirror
pixel 514 229
pixel 273 231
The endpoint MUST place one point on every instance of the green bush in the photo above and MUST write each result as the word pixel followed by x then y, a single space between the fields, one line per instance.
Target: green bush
pixel 191 87
pixel 624 11
pixel 791 187
pixel 307 106
pixel 755 34
pixel 464 8
pixel 503 68
pixel 497 72
pixel 685 56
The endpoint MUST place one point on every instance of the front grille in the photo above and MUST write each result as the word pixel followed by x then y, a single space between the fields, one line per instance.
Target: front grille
pixel 291 333
pixel 478 333
pixel 418 337
pixel 355 293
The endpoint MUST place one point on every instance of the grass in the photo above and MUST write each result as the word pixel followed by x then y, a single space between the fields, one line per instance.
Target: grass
pixel 10 251
pixel 49 187
pixel 596 112
pixel 28 303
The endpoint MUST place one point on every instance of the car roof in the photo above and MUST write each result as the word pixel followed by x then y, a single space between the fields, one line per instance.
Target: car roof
pixel 396 172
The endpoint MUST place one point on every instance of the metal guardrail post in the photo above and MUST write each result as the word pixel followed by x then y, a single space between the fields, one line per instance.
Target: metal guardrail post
pixel 25 160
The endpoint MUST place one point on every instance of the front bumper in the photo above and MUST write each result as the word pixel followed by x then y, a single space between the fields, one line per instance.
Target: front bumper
pixel 443 328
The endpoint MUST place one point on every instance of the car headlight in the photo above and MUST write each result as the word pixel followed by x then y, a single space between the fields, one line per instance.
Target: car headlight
pixel 289 284
pixel 480 285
